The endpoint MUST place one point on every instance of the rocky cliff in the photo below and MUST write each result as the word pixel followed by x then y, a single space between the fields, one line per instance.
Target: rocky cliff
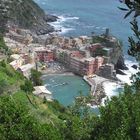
pixel 113 50
pixel 116 56
pixel 25 14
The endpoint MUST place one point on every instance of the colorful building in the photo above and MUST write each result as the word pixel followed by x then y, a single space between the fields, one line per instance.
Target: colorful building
pixel 44 54
pixel 86 66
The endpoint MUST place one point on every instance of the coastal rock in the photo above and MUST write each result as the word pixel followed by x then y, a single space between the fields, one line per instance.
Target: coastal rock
pixel 134 66
pixel 27 15
pixel 99 95
pixel 50 18
pixel 118 71
pixel 121 64
pixel 44 29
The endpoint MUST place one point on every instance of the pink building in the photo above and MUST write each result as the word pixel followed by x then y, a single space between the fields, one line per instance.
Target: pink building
pixel 86 66
pixel 44 54
pixel 95 46
pixel 77 54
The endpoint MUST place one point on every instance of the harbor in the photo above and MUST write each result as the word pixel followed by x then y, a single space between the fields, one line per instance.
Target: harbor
pixel 66 87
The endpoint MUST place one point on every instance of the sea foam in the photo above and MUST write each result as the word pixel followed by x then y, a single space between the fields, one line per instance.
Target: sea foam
pixel 129 73
pixel 112 88
pixel 60 26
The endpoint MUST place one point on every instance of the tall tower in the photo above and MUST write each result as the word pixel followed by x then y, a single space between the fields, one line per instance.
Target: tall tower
pixel 107 33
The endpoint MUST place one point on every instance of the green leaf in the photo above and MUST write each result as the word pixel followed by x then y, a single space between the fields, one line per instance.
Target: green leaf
pixel 124 9
pixel 132 10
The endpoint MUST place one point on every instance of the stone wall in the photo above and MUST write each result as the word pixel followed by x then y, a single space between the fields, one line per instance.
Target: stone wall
pixel 107 71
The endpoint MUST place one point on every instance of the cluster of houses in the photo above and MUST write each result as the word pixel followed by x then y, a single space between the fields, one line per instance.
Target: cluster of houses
pixel 79 55
pixel 24 57
pixel 19 64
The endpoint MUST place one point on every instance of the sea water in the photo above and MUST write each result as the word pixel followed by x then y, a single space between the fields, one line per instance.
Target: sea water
pixel 66 88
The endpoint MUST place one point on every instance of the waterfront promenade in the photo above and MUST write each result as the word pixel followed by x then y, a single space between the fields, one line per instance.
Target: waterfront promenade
pixel 97 88
pixel 94 82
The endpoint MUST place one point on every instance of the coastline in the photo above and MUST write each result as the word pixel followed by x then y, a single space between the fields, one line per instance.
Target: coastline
pixel 97 90
pixel 56 69
pixel 97 87
pixel 101 88
pixel 57 73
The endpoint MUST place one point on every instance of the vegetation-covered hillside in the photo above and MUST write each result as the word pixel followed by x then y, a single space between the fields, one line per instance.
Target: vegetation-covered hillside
pixel 25 14
pixel 22 12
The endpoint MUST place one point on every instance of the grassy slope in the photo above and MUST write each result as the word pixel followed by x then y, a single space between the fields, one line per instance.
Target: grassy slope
pixel 43 111
pixel 11 78
pixel 46 112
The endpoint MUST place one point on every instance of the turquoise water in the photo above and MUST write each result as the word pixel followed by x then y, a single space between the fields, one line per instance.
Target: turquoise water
pixel 66 88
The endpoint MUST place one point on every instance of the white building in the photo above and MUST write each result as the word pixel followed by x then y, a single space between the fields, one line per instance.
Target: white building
pixel 42 92
pixel 26 69
pixel 17 61
pixel 15 56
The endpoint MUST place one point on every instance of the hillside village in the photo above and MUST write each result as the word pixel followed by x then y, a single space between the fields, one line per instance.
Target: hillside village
pixel 79 55
pixel 84 56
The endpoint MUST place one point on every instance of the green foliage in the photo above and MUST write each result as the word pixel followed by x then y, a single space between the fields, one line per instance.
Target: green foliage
pixel 56 106
pixel 119 119
pixel 3 47
pixel 36 77
pixel 80 107
pixel 79 121
pixel 10 80
pixel 16 123
pixel 3 86
pixel 133 6
pixel 134 47
pixel 13 114
pixel 27 87
pixel 3 63
pixel 98 39
pixel 49 132
pixel 75 128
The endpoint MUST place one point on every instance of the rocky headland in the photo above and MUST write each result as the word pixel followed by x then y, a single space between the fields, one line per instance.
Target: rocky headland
pixel 25 14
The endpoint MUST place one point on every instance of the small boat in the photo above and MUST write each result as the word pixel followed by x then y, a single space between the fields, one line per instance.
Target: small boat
pixel 62 84
pixel 65 83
